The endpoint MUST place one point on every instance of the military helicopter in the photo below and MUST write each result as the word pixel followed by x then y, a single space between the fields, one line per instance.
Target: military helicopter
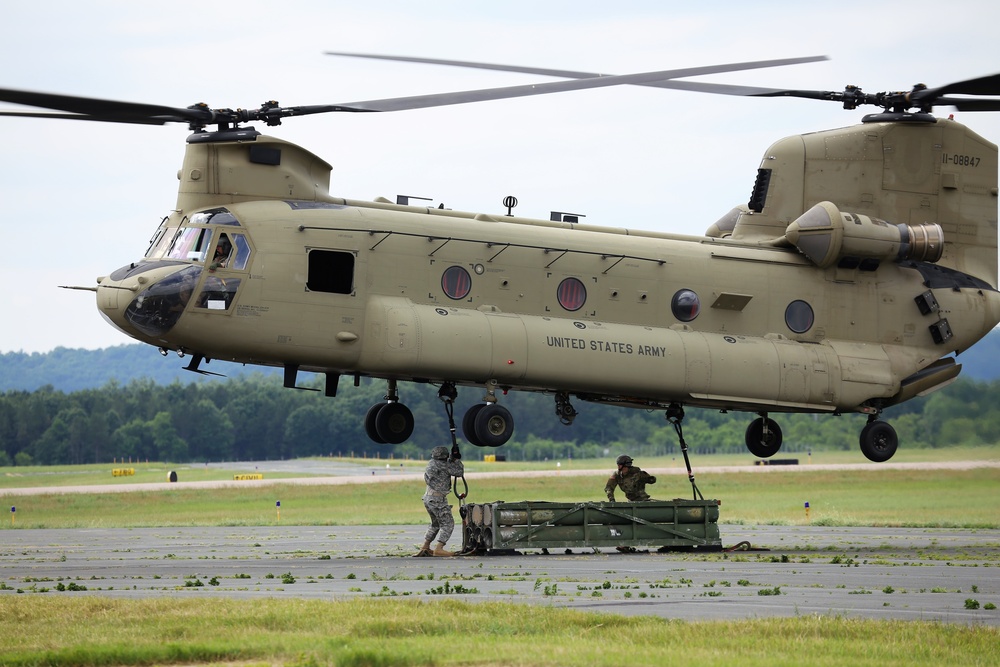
pixel 865 258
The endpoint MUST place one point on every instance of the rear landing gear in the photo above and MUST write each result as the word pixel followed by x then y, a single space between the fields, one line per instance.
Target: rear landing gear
pixel 763 437
pixel 878 440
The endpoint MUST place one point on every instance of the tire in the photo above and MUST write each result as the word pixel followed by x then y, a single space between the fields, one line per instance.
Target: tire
pixel 370 423
pixel 760 445
pixel 494 425
pixel 878 441
pixel 394 423
pixel 469 424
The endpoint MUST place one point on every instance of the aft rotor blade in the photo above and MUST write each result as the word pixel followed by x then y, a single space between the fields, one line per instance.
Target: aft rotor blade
pixel 968 104
pixel 717 88
pixel 464 97
pixel 984 85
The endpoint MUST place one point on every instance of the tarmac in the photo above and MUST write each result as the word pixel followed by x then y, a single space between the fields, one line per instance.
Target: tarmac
pixel 944 575
pixel 932 574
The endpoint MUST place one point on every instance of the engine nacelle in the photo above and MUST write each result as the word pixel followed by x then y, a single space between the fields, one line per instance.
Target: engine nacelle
pixel 828 236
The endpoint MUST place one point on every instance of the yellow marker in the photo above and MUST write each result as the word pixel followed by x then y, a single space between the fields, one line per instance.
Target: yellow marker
pixel 807 510
pixel 12 510
pixel 277 506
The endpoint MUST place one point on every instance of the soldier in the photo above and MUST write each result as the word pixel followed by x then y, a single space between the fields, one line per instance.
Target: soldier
pixel 631 479
pixel 440 469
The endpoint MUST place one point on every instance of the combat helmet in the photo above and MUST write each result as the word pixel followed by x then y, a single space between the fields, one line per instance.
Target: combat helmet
pixel 440 453
pixel 624 460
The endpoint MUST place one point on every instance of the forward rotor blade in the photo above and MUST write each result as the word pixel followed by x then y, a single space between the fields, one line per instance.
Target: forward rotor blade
pixel 464 97
pixel 89 108
pixel 78 116
pixel 717 88
pixel 86 108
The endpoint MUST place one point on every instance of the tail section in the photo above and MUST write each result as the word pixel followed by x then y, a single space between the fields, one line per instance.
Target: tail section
pixel 906 170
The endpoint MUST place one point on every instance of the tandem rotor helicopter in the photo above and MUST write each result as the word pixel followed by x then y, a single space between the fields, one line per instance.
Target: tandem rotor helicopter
pixel 865 258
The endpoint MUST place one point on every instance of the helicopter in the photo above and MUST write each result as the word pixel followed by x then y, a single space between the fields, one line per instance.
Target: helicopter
pixel 863 262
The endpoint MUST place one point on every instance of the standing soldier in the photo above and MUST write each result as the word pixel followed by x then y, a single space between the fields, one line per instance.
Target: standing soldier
pixel 631 479
pixel 440 469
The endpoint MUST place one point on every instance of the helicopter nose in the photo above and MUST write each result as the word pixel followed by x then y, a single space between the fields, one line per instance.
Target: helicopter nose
pixel 145 300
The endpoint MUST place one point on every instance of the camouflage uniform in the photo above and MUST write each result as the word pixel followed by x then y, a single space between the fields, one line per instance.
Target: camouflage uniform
pixel 438 478
pixel 632 482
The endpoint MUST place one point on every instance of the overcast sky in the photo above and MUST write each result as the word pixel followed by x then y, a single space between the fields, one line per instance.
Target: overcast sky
pixel 80 199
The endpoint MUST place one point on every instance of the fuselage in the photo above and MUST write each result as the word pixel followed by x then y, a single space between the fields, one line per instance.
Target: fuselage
pixel 376 289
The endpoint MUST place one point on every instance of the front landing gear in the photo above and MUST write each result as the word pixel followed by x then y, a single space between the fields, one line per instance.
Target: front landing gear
pixel 488 424
pixel 878 440
pixel 391 422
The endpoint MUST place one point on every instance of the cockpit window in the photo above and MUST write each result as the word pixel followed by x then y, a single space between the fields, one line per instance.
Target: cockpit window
pixel 217 293
pixel 242 251
pixel 190 243
pixel 231 252
pixel 215 216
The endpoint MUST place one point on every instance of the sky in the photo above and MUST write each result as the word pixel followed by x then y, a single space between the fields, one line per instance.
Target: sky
pixel 80 199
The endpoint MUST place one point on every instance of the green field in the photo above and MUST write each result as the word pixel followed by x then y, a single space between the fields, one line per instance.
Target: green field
pixel 875 496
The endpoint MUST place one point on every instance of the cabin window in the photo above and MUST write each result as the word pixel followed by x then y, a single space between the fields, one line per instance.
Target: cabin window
pixel 685 305
pixel 799 316
pixel 456 282
pixel 572 294
pixel 331 271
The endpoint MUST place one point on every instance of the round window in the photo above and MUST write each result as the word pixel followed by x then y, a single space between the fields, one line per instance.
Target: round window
pixel 571 294
pixel 456 282
pixel 685 305
pixel 799 316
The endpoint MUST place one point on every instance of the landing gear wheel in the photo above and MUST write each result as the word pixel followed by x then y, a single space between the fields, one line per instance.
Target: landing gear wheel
pixel 760 443
pixel 469 424
pixel 370 423
pixel 394 423
pixel 494 425
pixel 878 441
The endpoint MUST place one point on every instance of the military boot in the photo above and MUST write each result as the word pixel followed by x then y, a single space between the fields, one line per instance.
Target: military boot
pixel 425 550
pixel 439 550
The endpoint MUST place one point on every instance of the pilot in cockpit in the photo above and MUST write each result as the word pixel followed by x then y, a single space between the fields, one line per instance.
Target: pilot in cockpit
pixel 223 250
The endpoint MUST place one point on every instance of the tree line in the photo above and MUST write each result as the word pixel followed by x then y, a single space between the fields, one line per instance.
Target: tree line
pixel 255 418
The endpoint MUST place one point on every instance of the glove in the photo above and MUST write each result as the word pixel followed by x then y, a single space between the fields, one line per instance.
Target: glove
pixel 455 453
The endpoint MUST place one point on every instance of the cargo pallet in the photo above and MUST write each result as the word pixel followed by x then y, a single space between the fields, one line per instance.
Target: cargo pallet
pixel 673 525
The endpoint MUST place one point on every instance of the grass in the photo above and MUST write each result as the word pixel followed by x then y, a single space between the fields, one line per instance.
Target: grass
pixel 872 497
pixel 100 631
pixel 95 474
pixel 12 477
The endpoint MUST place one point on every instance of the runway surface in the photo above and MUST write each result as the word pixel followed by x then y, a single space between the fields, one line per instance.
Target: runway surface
pixel 885 573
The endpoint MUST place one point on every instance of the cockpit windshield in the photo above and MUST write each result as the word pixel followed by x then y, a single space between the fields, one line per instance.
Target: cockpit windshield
pixel 190 243
pixel 155 310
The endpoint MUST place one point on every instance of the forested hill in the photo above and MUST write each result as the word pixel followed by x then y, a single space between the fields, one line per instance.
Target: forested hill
pixel 71 370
